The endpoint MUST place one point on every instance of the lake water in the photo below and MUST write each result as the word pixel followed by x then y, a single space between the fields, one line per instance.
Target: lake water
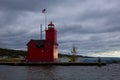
pixel 109 72
pixel 92 59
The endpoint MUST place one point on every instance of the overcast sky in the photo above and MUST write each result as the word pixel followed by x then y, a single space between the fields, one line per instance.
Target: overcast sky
pixel 93 26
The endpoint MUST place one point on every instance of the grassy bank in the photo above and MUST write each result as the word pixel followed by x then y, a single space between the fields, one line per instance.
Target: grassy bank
pixel 10 60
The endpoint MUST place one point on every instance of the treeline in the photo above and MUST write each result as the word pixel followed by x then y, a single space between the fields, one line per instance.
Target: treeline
pixel 67 55
pixel 17 53
pixel 12 53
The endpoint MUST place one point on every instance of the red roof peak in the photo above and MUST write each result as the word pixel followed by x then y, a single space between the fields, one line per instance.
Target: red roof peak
pixel 51 24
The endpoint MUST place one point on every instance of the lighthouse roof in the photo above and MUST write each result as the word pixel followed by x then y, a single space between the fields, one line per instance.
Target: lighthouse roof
pixel 38 43
pixel 51 24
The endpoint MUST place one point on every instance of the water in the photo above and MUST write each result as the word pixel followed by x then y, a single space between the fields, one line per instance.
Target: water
pixel 109 72
pixel 92 59
pixel 103 59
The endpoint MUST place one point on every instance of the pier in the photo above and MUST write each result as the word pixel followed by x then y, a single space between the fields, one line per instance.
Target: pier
pixel 53 64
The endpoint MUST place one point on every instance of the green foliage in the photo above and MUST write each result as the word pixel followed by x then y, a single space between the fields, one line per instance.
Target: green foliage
pixel 63 55
pixel 10 60
pixel 12 53
pixel 99 60
pixel 68 56
pixel 73 58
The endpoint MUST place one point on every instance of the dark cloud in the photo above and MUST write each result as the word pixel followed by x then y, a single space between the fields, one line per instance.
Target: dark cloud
pixel 26 5
pixel 91 25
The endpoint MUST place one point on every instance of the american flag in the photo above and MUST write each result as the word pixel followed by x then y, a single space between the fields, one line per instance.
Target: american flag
pixel 44 10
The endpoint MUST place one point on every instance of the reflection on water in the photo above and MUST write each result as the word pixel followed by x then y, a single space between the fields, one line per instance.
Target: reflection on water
pixel 109 72
pixel 44 73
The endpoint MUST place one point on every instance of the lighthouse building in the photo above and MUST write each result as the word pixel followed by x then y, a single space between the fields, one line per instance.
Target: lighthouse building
pixel 44 50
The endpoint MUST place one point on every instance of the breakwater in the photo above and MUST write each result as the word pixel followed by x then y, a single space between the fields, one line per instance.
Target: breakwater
pixel 53 64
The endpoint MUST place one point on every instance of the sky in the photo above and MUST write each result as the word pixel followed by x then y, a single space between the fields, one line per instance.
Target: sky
pixel 92 26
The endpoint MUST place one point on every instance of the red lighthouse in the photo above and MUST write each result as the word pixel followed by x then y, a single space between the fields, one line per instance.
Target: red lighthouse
pixel 44 50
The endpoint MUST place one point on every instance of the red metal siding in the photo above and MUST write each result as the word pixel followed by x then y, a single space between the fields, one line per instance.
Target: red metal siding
pixel 48 53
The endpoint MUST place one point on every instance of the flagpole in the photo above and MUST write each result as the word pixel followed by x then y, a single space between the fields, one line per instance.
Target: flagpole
pixel 41 31
pixel 45 16
pixel 45 19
